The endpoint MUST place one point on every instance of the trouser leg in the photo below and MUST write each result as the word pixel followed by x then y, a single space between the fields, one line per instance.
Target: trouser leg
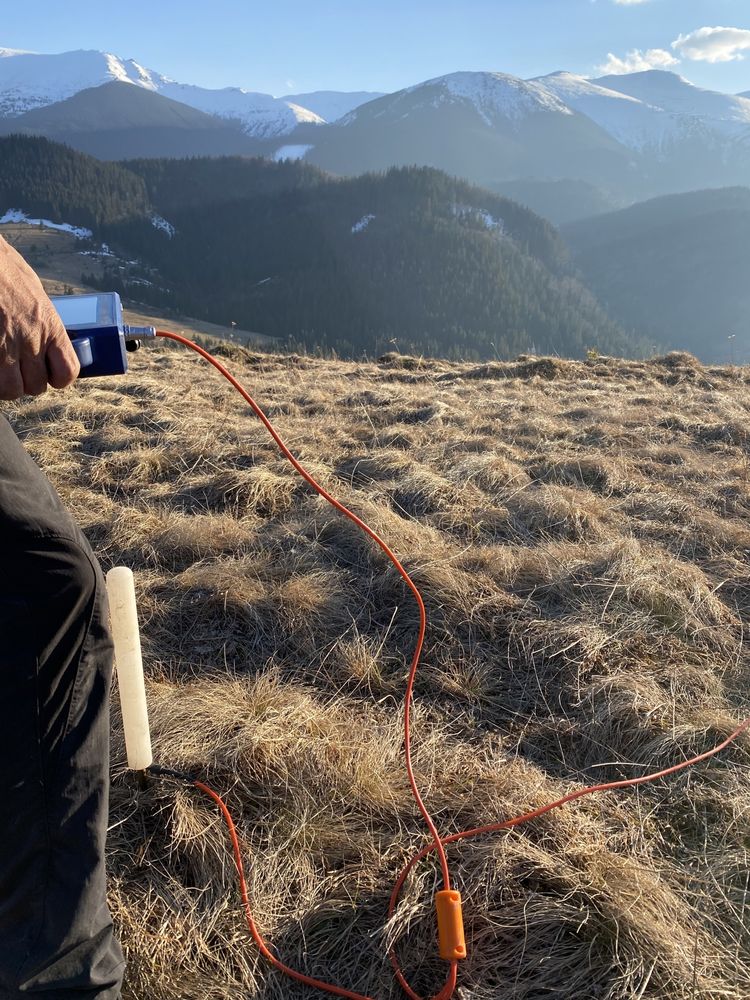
pixel 56 937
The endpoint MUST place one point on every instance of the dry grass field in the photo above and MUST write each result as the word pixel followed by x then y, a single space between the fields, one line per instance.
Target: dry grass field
pixel 580 532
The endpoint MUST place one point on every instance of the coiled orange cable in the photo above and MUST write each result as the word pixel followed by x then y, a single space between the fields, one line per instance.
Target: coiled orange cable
pixel 438 844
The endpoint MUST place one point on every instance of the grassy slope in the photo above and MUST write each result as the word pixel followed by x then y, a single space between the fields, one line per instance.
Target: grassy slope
pixel 580 532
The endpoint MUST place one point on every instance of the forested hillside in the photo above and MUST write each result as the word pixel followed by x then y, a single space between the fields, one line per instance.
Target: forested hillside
pixel 677 269
pixel 179 185
pixel 50 181
pixel 410 259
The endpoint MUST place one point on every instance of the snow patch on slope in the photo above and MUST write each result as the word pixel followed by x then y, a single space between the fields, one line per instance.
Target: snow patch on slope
pixel 364 222
pixel 486 218
pixel 489 220
pixel 158 222
pixel 16 216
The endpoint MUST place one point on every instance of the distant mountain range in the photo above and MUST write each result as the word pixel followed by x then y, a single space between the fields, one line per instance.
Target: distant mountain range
pixel 627 137
pixel 564 145
pixel 30 80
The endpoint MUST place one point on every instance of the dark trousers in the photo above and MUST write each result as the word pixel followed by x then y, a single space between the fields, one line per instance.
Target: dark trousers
pixel 56 938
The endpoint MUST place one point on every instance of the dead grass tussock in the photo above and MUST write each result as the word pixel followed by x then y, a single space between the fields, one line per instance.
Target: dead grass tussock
pixel 561 512
pixel 580 533
pixel 497 475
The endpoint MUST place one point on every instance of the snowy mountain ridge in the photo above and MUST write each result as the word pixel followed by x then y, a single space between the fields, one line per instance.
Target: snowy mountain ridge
pixel 632 122
pixel 496 94
pixel 32 80
pixel 674 95
pixel 649 114
pixel 638 110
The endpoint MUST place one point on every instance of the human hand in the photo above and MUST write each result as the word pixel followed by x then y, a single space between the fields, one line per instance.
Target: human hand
pixel 35 350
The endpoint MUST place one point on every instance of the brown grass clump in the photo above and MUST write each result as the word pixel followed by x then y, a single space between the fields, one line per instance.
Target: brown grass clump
pixel 580 533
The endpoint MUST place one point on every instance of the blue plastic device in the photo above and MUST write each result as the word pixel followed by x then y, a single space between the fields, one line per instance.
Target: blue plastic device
pixel 99 336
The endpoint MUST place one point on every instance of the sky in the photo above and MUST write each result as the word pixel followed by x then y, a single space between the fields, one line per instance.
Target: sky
pixel 288 46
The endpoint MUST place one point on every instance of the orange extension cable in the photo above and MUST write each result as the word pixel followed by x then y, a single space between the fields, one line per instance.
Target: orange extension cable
pixel 450 925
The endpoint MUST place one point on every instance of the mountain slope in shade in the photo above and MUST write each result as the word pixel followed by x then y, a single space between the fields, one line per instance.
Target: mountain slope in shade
pixel 443 267
pixel 561 201
pixel 676 268
pixel 120 121
pixel 330 105
pixel 47 180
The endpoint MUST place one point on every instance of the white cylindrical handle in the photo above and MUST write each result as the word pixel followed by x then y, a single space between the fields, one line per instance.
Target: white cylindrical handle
pixel 124 618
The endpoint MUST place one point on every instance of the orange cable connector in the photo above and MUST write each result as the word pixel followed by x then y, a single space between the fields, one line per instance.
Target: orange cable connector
pixel 450 921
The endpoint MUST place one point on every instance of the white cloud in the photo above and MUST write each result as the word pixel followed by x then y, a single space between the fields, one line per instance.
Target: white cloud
pixel 713 45
pixel 636 61
pixel 628 3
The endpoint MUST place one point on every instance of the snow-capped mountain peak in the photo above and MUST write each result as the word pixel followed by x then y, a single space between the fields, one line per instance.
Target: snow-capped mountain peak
pixel 494 95
pixel 499 93
pixel 30 80
pixel 491 96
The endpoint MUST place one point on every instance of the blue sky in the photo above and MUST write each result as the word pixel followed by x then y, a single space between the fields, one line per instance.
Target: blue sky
pixel 281 46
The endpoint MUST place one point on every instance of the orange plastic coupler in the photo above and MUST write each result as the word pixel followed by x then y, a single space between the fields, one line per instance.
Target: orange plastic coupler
pixel 450 923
